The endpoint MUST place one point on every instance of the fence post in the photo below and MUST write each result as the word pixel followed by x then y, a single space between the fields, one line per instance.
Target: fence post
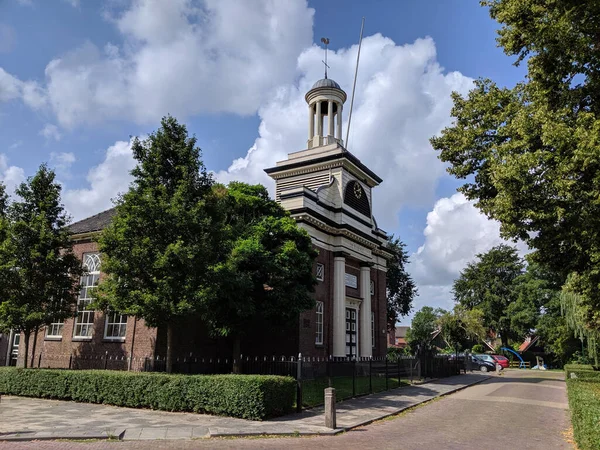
pixel 354 378
pixel 386 374
pixel 299 384
pixel 330 419
pixel 105 360
pixel 371 375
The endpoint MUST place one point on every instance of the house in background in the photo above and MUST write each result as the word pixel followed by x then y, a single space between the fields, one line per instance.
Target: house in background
pixel 329 192
pixel 397 337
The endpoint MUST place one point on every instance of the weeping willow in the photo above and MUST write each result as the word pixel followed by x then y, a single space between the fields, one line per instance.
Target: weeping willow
pixel 575 312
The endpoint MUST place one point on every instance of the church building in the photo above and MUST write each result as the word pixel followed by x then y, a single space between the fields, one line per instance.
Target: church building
pixel 328 191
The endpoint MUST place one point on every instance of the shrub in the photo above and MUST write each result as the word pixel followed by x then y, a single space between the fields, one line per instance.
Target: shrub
pixel 584 402
pixel 577 369
pixel 478 348
pixel 253 397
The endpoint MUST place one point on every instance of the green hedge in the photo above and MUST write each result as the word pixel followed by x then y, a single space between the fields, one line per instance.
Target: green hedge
pixel 253 397
pixel 584 402
pixel 578 368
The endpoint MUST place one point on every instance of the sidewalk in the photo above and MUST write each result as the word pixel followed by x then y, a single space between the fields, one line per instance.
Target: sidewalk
pixel 34 419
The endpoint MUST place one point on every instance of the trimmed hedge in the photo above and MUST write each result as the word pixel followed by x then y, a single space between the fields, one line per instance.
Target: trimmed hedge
pixel 578 368
pixel 253 397
pixel 584 402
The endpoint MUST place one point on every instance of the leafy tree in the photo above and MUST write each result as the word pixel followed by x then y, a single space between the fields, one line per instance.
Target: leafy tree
pixel 40 273
pixel 264 271
pixel 423 325
pixel 160 244
pixel 400 287
pixel 461 326
pixel 478 348
pixel 489 285
pixel 531 153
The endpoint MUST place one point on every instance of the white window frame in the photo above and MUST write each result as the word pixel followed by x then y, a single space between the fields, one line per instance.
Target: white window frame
pixel 320 272
pixel 319 324
pixel 55 329
pixel 372 329
pixel 115 320
pixel 83 325
pixel 372 287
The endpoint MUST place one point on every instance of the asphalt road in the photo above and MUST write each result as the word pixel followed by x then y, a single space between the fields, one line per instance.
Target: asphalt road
pixel 525 410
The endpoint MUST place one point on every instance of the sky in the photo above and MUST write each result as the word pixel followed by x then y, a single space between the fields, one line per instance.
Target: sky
pixel 79 78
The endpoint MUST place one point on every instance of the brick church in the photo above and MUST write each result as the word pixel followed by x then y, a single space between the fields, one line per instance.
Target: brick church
pixel 329 192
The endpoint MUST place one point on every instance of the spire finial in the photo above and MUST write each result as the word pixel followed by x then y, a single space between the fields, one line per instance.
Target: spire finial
pixel 325 41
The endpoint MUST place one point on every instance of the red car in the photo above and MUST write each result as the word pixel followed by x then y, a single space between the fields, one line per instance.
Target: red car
pixel 502 360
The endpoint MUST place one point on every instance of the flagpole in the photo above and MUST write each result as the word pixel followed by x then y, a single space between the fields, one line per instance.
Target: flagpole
pixel 354 85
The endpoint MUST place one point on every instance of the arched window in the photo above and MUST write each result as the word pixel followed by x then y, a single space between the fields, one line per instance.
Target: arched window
pixel 356 197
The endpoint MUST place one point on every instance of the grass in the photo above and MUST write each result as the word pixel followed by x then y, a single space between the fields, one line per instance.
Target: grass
pixel 584 403
pixel 313 390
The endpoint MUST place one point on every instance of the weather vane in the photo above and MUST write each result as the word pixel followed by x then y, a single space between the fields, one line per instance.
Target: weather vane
pixel 325 41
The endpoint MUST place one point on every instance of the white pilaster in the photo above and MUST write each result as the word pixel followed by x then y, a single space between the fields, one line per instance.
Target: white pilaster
pixel 330 118
pixel 319 120
pixel 311 122
pixel 339 306
pixel 339 122
pixel 366 346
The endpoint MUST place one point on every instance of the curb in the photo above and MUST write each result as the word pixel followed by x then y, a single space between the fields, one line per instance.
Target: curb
pixel 49 436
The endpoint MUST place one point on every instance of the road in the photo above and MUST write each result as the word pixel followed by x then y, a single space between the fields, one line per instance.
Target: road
pixel 525 410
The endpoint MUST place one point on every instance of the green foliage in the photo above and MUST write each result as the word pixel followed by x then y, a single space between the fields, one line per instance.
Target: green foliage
pixel 423 325
pixel 395 353
pixel 489 285
pixel 254 397
pixel 400 287
pixel 478 348
pixel 531 154
pixel 584 403
pixel 576 310
pixel 38 269
pixel 461 327
pixel 264 266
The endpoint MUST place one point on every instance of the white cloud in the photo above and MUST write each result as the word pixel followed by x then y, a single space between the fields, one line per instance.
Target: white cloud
pixel 12 88
pixel 11 176
pixel 15 144
pixel 50 132
pixel 62 161
pixel 402 99
pixel 106 181
pixel 183 58
pixel 455 234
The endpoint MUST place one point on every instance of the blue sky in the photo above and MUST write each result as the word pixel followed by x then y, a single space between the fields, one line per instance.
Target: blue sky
pixel 78 77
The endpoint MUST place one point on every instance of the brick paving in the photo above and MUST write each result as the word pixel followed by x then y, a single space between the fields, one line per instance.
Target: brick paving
pixel 24 417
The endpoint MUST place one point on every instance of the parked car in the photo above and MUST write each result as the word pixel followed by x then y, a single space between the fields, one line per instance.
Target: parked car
pixel 482 365
pixel 502 360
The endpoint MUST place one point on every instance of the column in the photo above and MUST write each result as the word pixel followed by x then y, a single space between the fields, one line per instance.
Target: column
pixel 339 305
pixel 330 118
pixel 319 120
pixel 366 345
pixel 339 122
pixel 311 122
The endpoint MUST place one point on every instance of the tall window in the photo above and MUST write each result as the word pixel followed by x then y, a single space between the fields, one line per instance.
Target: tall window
pixel 319 334
pixel 55 329
pixel 115 327
pixel 320 272
pixel 372 329
pixel 84 322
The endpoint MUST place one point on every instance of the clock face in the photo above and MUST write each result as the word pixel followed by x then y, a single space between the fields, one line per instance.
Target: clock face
pixel 357 190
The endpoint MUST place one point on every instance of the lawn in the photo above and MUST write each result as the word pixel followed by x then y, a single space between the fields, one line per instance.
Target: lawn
pixel 313 390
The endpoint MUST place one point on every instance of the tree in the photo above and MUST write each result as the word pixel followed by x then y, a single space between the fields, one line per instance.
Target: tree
pixel 400 287
pixel 422 327
pixel 461 326
pixel 160 244
pixel 531 154
pixel 40 271
pixel 264 272
pixel 489 285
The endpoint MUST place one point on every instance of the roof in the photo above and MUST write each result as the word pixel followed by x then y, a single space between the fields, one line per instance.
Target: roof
pixel 325 82
pixel 94 223
pixel 529 341
pixel 401 331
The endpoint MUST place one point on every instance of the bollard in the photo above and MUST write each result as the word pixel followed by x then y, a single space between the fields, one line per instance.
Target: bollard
pixel 498 369
pixel 330 421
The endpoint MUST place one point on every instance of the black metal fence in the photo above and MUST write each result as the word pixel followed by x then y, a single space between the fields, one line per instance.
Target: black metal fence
pixel 351 377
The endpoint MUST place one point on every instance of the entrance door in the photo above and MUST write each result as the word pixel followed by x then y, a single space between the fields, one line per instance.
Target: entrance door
pixel 351 332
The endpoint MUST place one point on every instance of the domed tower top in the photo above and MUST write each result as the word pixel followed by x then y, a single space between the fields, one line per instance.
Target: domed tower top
pixel 325 99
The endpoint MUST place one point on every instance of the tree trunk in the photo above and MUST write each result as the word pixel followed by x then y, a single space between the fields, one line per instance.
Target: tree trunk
pixel 237 355
pixel 504 340
pixel 35 335
pixel 169 347
pixel 26 334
